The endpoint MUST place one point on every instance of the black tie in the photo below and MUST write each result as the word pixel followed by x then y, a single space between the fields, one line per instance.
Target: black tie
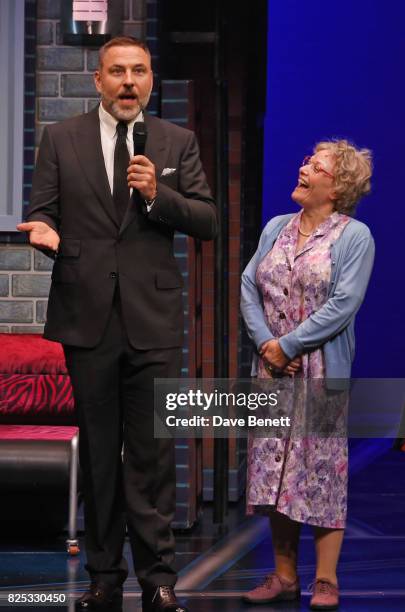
pixel 121 162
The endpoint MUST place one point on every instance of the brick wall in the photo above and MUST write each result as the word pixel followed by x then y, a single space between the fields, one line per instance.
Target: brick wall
pixel 63 88
pixel 24 288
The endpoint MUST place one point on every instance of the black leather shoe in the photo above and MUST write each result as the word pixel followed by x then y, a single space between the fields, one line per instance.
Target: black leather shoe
pixel 101 596
pixel 163 599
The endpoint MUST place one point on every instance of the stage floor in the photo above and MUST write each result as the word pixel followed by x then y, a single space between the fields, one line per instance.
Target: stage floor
pixel 371 569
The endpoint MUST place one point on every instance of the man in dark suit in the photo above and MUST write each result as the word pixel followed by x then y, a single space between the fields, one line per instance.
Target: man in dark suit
pixel 116 306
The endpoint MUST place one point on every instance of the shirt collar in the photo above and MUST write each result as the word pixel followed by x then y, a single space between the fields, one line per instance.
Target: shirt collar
pixel 321 230
pixel 109 122
pixel 328 224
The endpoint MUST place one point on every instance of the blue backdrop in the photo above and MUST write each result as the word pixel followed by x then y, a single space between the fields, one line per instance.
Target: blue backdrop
pixel 336 69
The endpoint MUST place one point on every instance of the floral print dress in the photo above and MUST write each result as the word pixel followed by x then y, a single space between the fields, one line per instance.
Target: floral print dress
pixel 302 477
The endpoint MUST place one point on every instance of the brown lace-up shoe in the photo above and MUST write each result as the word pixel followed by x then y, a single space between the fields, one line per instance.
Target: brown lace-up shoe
pixel 100 596
pixel 325 595
pixel 274 588
pixel 163 599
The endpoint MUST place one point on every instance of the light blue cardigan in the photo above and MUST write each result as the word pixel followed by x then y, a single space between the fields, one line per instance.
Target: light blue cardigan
pixel 332 326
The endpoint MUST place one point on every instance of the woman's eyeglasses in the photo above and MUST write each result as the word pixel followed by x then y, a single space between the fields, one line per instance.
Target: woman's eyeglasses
pixel 316 166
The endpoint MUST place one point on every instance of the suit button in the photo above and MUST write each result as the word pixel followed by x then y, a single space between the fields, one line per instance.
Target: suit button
pixel 285 291
pixel 282 315
pixel 113 275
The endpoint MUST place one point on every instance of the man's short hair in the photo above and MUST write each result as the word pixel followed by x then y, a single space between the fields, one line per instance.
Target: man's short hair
pixel 121 41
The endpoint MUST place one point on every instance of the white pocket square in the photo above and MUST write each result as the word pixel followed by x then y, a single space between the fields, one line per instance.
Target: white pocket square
pixel 168 171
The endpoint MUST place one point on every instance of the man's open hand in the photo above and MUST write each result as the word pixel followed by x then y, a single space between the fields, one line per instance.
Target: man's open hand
pixel 40 234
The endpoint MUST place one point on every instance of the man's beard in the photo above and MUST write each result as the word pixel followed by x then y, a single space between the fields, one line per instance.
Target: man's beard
pixel 124 114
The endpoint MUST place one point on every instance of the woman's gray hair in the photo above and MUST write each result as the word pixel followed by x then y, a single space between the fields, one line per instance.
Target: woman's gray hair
pixel 352 172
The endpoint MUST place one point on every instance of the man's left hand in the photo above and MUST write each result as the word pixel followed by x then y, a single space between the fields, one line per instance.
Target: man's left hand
pixel 142 176
pixel 271 351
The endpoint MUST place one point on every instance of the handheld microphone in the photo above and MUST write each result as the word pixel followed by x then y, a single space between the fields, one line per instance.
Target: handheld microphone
pixel 140 135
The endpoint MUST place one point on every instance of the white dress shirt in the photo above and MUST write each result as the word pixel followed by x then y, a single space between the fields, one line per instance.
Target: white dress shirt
pixel 108 131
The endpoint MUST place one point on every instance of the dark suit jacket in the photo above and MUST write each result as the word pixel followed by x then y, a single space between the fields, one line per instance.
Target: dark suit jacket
pixel 71 193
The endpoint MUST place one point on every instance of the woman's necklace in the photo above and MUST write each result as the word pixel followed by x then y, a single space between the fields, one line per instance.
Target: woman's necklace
pixel 303 233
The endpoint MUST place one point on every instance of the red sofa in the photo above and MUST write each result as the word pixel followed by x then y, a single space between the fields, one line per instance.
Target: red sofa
pixel 38 432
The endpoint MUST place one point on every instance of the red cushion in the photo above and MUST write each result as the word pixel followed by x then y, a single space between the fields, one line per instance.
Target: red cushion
pixel 36 432
pixel 45 398
pixel 30 354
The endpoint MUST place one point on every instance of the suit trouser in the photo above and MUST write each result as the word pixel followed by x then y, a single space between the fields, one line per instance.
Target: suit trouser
pixel 113 390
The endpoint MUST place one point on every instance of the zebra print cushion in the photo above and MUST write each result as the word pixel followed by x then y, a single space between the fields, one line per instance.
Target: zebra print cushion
pixel 42 398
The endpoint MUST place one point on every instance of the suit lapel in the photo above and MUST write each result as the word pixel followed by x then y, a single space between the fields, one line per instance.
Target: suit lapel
pixel 157 144
pixel 87 144
pixel 157 150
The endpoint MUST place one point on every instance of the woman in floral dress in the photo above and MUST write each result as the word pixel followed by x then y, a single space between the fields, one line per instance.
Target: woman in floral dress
pixel 300 294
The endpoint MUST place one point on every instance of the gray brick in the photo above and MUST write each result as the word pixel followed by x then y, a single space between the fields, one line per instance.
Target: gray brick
pixel 152 8
pixel 174 110
pixel 41 311
pixel 48 9
pixel 30 285
pixel 59 35
pixel 92 59
pixel 44 32
pixel 60 58
pixel 138 10
pixel 92 104
pixel 4 329
pixel 42 262
pixel 15 259
pixel 78 85
pixel 16 311
pixel 50 109
pixel 47 84
pixel 59 32
pixel 153 29
pixel 126 13
pixel 27 329
pixel 3 285
pixel 132 29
